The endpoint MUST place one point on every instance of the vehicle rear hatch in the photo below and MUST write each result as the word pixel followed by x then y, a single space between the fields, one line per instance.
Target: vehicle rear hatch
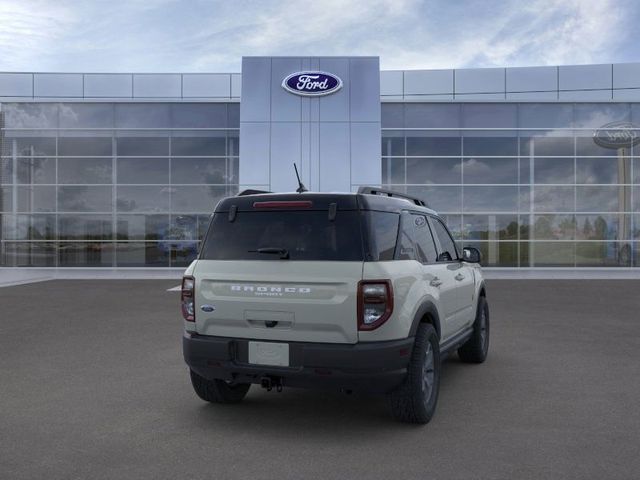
pixel 281 268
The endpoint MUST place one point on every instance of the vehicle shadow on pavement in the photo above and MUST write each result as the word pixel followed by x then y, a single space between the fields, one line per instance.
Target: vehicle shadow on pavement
pixel 316 411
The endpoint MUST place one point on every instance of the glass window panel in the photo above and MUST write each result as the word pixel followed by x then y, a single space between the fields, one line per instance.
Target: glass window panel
pixel 181 253
pixel 554 227
pixel 84 146
pixel 203 225
pixel 441 199
pixel 143 199
pixel 432 146
pixel 392 115
pixel 30 115
pixel 490 146
pixel 596 115
pixel 138 254
pixel 552 254
pixel 199 115
pixel 28 227
pixel 36 170
pixel 636 227
pixel 553 170
pixel 233 143
pixel 545 115
pixel 79 254
pixel 6 199
pixel 490 199
pixel 32 146
pixel 497 254
pixel 524 199
pixel 602 198
pixel 454 224
pixel 85 227
pixel 490 170
pixel 36 199
pixel 525 227
pixel 84 170
pixel 6 170
pixel 84 199
pixel 636 199
pixel 393 144
pixel 233 115
pixel 424 115
pixel 603 170
pixel 434 170
pixel 489 115
pixel 603 227
pixel 636 254
pixel 142 227
pixel 183 227
pixel 636 170
pixel 546 146
pixel 393 171
pixel 553 199
pixel 525 170
pixel 200 170
pixel 603 254
pixel 196 198
pixel 198 146
pixel 142 115
pixel 143 170
pixel 86 115
pixel 36 254
pixel 587 147
pixel 143 146
pixel 490 227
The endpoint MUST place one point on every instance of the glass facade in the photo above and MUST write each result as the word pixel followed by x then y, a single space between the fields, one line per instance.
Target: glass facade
pixel 112 184
pixel 119 184
pixel 524 183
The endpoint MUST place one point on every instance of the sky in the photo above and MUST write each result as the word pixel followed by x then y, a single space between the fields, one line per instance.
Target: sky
pixel 212 36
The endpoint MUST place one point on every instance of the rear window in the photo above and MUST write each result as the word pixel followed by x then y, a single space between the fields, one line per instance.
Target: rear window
pixel 304 235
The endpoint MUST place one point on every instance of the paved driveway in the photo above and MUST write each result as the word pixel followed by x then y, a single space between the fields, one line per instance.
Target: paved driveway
pixel 92 386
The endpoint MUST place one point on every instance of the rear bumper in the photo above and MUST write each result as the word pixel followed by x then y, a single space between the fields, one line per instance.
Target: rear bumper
pixel 375 367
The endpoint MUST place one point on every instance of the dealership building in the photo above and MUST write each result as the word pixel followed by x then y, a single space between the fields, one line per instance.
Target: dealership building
pixel 535 166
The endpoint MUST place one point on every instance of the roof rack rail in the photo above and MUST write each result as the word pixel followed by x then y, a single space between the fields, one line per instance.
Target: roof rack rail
pixel 391 193
pixel 251 191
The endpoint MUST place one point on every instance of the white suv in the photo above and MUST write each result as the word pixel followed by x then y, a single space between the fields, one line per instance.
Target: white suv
pixel 356 292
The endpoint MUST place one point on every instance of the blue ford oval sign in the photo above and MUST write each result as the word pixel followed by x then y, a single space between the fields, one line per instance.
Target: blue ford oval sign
pixel 312 84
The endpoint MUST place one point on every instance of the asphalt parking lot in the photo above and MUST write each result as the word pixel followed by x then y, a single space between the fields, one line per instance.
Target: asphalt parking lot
pixel 92 386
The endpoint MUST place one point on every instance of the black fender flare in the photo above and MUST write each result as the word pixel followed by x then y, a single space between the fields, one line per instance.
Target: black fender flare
pixel 428 308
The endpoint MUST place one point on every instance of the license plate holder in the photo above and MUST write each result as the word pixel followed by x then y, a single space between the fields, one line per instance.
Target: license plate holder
pixel 269 353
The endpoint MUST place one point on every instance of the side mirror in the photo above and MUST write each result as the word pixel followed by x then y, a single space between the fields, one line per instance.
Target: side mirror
pixel 471 255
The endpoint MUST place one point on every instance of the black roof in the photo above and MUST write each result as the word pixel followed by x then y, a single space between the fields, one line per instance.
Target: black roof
pixel 322 201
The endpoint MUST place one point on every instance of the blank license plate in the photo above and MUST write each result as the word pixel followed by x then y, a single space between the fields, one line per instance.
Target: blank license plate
pixel 268 353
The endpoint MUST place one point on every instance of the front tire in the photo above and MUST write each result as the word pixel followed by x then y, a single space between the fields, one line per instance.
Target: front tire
pixel 218 391
pixel 415 400
pixel 475 349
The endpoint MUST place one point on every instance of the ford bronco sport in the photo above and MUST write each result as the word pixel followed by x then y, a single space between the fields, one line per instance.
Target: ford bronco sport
pixel 357 292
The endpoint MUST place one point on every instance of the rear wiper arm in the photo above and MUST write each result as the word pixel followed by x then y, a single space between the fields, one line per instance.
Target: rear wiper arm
pixel 283 252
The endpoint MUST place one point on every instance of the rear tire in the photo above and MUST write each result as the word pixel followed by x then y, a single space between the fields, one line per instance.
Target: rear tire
pixel 475 349
pixel 218 391
pixel 415 400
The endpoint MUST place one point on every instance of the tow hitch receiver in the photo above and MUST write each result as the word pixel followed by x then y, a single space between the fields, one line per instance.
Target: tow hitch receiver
pixel 269 383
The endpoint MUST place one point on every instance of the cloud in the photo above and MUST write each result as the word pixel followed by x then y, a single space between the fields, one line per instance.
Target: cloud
pixel 201 35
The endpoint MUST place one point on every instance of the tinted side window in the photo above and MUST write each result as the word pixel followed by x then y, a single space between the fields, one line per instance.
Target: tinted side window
pixel 415 240
pixel 447 245
pixel 383 233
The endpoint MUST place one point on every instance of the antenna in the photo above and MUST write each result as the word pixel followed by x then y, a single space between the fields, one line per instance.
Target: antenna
pixel 301 188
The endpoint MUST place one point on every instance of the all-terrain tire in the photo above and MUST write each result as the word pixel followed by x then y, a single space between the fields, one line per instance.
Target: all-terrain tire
pixel 475 349
pixel 218 391
pixel 415 400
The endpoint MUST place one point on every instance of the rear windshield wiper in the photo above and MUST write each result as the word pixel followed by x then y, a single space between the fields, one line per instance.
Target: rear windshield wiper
pixel 283 252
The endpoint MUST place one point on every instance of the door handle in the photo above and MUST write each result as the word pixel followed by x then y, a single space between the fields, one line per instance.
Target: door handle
pixel 459 277
pixel 436 282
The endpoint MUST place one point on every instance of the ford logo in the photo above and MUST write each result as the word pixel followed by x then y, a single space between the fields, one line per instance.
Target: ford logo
pixel 617 135
pixel 312 84
pixel 207 308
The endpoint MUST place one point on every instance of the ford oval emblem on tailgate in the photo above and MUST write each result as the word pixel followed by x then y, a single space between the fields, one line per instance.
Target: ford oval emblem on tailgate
pixel 207 308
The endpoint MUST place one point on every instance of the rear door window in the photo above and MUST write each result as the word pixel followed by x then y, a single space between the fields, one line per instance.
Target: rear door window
pixel 304 235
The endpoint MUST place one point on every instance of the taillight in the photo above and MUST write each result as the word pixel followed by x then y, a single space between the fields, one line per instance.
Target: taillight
pixel 375 303
pixel 187 299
